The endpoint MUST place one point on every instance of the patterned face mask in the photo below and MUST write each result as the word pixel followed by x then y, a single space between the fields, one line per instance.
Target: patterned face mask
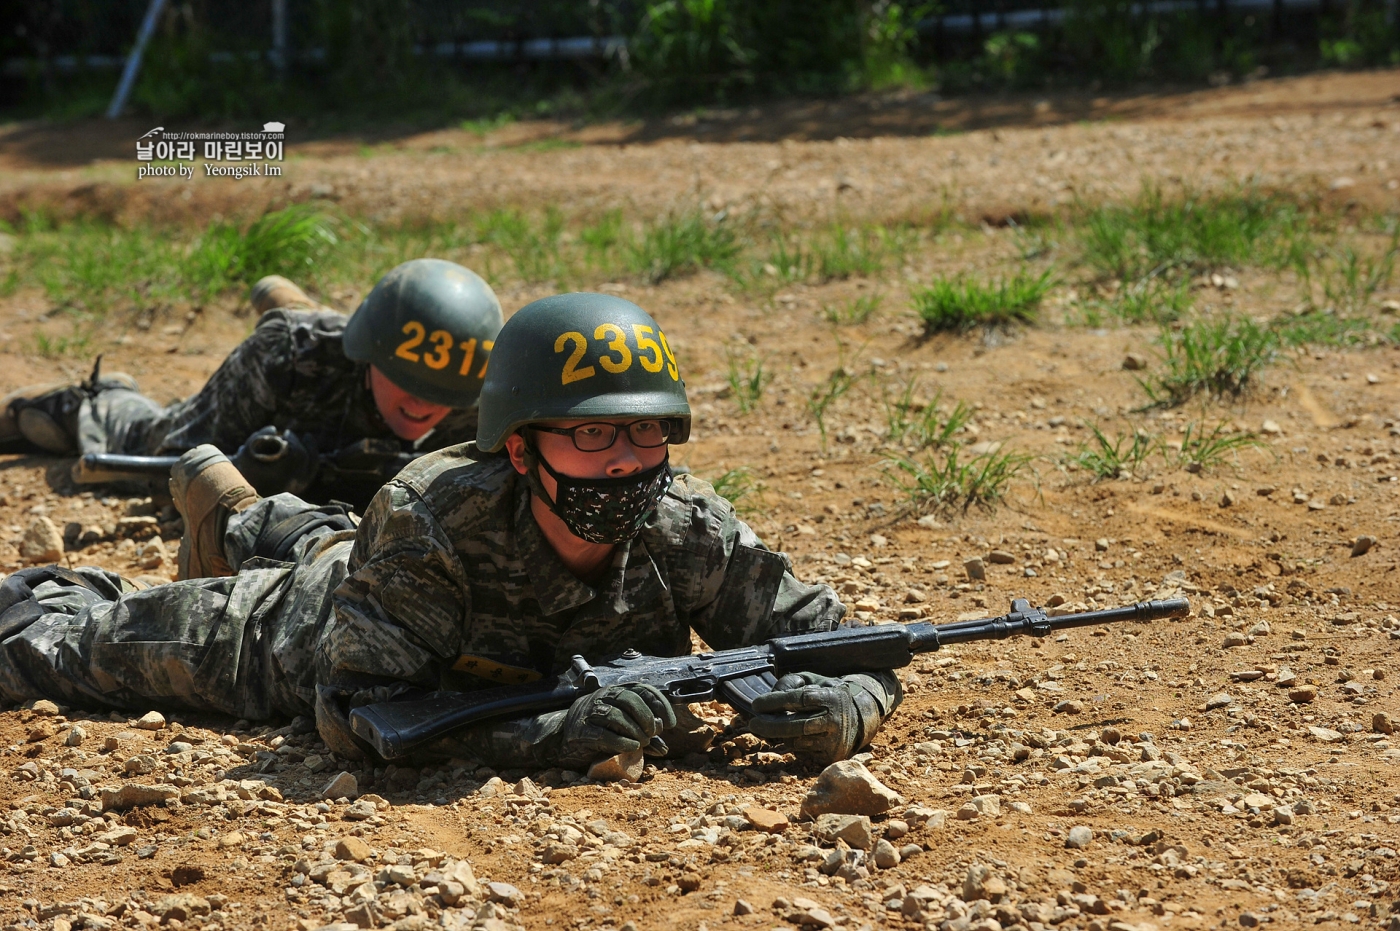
pixel 604 510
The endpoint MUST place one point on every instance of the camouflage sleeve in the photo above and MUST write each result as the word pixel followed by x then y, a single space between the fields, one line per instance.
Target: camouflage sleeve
pixel 457 427
pixel 732 589
pixel 398 614
pixel 240 397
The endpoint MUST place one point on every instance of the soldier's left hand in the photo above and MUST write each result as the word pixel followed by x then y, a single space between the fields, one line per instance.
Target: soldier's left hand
pixel 275 462
pixel 820 719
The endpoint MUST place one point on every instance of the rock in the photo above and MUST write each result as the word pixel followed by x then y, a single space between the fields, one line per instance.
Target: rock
pixel 895 829
pixel 42 542
pixel 342 785
pixel 555 854
pixel 1134 362
pixel 76 736
pixel 1022 808
pixel 1235 638
pixel 1068 706
pixel 981 883
pixel 132 795
pixel 44 707
pixel 1227 500
pixel 742 907
pixel 886 856
pixel 352 848
pixel 1283 815
pixel 1303 694
pixel 763 819
pixel 1382 723
pixel 1249 920
pixel 848 788
pixel 504 893
pixel 1285 678
pixel 1001 557
pixel 1256 800
pixel 180 907
pixel 910 850
pixel 1261 629
pixel 1325 734
pixel 1362 545
pixel 624 767
pixel 1271 428
pixel 232 839
pixel 853 829
pixel 1079 837
pixel 150 721
pixel 361 810
pixel 1219 700
pixel 976 570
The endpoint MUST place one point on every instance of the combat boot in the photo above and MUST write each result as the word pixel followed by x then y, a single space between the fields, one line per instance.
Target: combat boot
pixel 275 291
pixel 207 490
pixel 47 415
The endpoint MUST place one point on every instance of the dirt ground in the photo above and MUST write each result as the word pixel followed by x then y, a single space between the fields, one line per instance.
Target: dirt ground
pixel 1236 767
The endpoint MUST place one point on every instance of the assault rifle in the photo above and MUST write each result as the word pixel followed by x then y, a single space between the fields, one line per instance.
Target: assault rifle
pixel 396 728
pixel 353 473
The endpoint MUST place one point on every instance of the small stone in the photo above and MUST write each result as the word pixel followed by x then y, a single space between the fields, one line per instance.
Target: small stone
pixel 1022 808
pixel 847 787
pixel 343 785
pixel 623 767
pixel 1303 694
pixel 1236 638
pixel 1261 629
pixel 1227 499
pixel 504 893
pixel 853 829
pixel 886 856
pixel 150 721
pixel 1325 734
pixel 1256 800
pixel 132 795
pixel 763 819
pixel 742 907
pixel 76 736
pixel 1001 557
pixel 1134 362
pixel 1271 428
pixel 231 839
pixel 895 829
pixel 1362 545
pixel 42 542
pixel 1283 815
pixel 910 850
pixel 44 707
pixel 1219 700
pixel 976 569
pixel 1068 706
pixel 1382 723
pixel 58 860
pixel 1249 920
pixel 1079 837
pixel 352 848
pixel 180 907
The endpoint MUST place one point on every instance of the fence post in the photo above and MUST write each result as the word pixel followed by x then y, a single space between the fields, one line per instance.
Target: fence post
pixel 133 60
pixel 279 36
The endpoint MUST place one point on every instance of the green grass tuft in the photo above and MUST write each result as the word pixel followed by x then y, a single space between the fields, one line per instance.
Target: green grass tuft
pixel 854 312
pixel 747 379
pixel 909 422
pixel 1201 451
pixel 1117 458
pixel 1220 358
pixel 681 245
pixel 946 482
pixel 1154 235
pixel 739 488
pixel 958 304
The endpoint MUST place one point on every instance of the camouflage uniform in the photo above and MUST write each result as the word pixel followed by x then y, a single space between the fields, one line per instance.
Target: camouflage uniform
pixel 450 584
pixel 291 373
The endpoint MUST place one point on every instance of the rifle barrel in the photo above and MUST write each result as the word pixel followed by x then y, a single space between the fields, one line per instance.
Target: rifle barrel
pixel 968 631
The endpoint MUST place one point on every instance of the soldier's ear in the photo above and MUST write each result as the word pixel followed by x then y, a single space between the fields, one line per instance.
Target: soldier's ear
pixel 515 446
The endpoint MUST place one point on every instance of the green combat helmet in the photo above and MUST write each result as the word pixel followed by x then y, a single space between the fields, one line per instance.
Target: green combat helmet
pixel 429 326
pixel 577 357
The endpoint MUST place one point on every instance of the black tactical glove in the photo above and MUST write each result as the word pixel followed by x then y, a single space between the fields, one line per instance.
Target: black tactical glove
pixel 275 462
pixel 614 720
pixel 823 720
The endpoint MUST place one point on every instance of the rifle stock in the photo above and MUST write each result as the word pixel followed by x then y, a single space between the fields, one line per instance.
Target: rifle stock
pixel 396 728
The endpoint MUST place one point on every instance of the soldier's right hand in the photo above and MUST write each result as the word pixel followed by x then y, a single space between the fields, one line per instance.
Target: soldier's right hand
pixel 614 720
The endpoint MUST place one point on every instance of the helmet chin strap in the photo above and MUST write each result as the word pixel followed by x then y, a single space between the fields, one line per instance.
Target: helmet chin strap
pixel 533 460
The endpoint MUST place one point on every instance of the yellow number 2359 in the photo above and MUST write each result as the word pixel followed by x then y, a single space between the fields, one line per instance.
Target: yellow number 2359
pixel 613 353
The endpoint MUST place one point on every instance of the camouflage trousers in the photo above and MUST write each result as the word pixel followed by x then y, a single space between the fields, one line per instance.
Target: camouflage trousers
pixel 120 420
pixel 243 646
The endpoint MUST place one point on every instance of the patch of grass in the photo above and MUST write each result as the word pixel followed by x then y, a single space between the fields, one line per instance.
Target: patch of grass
pixel 1350 279
pixel 1323 328
pixel 1154 235
pixel 483 125
pixel 788 260
pixel 1201 451
pixel 1219 357
pixel 533 247
pixel 959 304
pixel 56 347
pixel 1117 458
pixel 1150 300
pixel 739 488
pixel 747 379
pixel 680 245
pixel 838 381
pixel 909 421
pixel 853 312
pixel 841 252
pixel 946 482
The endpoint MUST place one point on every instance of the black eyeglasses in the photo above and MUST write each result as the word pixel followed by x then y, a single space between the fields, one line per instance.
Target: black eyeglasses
pixel 596 437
